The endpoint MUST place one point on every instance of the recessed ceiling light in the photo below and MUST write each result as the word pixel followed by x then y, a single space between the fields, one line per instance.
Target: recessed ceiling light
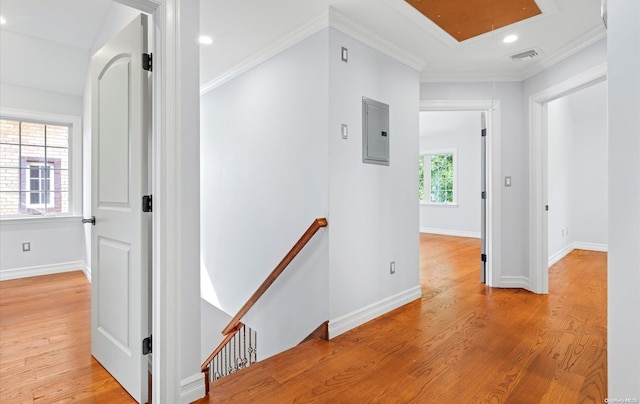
pixel 205 40
pixel 510 38
pixel 2 20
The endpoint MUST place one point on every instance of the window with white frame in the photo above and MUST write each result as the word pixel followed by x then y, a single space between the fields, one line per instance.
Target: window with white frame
pixel 437 178
pixel 35 165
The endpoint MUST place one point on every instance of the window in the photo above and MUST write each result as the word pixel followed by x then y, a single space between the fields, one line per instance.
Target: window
pixel 34 167
pixel 437 178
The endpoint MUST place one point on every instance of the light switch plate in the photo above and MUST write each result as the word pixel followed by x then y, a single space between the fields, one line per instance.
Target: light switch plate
pixel 507 181
pixel 344 131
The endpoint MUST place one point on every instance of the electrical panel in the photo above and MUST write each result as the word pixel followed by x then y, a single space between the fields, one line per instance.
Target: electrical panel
pixel 375 132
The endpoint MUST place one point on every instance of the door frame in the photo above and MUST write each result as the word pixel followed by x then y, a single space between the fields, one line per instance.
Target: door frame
pixel 494 237
pixel 538 176
pixel 169 118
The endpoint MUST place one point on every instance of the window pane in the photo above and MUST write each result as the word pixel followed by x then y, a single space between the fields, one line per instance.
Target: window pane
pixel 59 202
pixel 9 155
pixel 442 178
pixel 9 131
pixel 32 133
pixel 58 157
pixel 34 198
pixel 59 180
pixel 9 179
pixel 9 203
pixel 32 155
pixel 58 136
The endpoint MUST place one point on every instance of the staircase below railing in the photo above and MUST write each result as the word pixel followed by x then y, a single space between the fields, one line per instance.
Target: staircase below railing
pixel 238 350
pixel 225 359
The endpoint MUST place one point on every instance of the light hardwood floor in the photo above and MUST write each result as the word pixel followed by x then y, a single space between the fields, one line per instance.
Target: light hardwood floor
pixel 461 343
pixel 45 343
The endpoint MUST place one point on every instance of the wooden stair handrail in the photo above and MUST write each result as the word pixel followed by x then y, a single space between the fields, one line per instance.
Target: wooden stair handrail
pixel 205 367
pixel 297 247
pixel 220 346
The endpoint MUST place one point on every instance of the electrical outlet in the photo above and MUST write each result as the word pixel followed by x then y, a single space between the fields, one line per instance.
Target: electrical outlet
pixel 392 267
pixel 567 232
pixel 26 247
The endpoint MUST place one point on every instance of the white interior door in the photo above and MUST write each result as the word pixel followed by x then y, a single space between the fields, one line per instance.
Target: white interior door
pixel 483 197
pixel 120 239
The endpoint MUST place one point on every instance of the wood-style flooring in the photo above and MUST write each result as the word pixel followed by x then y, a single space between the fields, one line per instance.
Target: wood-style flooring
pixel 45 343
pixel 461 343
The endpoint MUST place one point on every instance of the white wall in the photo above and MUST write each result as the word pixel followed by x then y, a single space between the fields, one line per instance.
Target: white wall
pixel 623 353
pixel 590 180
pixel 460 131
pixel 373 208
pixel 514 163
pixel 561 135
pixel 56 244
pixel 264 179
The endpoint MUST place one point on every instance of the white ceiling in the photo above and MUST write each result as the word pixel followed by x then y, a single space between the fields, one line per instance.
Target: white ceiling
pixel 242 29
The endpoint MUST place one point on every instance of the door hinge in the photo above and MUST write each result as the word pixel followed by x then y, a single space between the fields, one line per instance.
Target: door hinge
pixel 146 203
pixel 483 195
pixel 146 345
pixel 483 132
pixel 147 61
pixel 483 257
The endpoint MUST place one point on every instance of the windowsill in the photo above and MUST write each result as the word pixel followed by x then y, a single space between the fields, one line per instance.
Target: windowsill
pixel 439 205
pixel 40 219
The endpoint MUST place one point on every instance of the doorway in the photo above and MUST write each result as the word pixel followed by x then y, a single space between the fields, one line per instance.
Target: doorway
pixel 493 192
pixel 538 172
pixel 578 168
pixel 450 171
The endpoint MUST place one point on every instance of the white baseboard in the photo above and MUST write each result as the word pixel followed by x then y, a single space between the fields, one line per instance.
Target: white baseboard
pixel 87 271
pixel 192 388
pixel 26 272
pixel 591 246
pixel 448 232
pixel 520 282
pixel 356 318
pixel 577 245
pixel 560 254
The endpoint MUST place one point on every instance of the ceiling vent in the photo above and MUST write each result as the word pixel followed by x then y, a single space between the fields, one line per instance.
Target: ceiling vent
pixel 525 55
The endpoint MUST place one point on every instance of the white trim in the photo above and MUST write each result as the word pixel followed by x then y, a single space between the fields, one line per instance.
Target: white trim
pixel 520 282
pixel 538 128
pixel 590 37
pixel 577 245
pixel 356 318
pixel 560 254
pixel 340 22
pixel 87 271
pixel 494 180
pixel 192 388
pixel 39 219
pixel 450 232
pixel 269 51
pixel 75 149
pixel 26 272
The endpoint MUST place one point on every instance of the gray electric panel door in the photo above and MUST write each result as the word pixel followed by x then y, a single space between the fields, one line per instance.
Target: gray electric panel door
pixel 375 132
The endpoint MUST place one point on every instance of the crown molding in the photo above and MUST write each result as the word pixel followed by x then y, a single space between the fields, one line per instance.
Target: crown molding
pixel 340 22
pixel 590 37
pixel 303 32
